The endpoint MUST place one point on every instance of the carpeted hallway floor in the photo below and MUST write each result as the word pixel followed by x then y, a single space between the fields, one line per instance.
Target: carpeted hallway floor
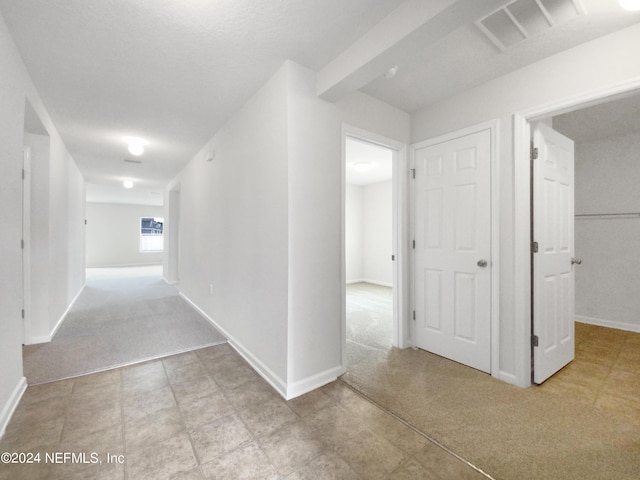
pixel 123 316
pixel 582 424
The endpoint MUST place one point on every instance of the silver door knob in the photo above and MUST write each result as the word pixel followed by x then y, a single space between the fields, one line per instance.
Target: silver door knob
pixel 482 263
pixel 576 261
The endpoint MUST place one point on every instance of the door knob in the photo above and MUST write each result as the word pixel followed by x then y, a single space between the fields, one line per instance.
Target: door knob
pixel 576 261
pixel 482 263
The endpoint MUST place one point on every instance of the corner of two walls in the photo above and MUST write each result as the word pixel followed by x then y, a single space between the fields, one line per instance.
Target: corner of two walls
pixel 260 227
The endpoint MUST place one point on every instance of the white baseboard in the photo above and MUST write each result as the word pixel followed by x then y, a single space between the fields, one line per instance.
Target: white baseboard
pixel 64 315
pixel 12 403
pixel 265 372
pixel 601 322
pixel 170 282
pixel 315 381
pixel 33 340
pixel 368 280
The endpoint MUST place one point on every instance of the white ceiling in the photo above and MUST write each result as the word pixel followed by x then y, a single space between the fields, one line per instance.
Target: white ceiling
pixel 173 72
pixel 378 161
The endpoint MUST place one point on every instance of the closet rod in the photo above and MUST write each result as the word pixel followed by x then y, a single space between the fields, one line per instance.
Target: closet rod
pixel 613 215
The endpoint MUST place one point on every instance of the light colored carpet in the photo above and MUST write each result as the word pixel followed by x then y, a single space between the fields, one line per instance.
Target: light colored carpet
pixel 548 432
pixel 123 316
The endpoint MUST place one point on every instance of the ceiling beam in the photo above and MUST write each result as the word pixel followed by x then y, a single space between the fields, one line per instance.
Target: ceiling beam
pixel 414 25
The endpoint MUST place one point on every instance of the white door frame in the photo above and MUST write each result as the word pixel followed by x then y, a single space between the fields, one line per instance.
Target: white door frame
pixel 399 229
pixel 494 127
pixel 522 206
pixel 26 244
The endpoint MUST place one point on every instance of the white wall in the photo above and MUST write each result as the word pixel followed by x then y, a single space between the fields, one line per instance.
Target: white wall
pixel 354 224
pixel 113 235
pixel 377 264
pixel 369 233
pixel 262 224
pixel 234 234
pixel 607 179
pixel 65 270
pixel 601 63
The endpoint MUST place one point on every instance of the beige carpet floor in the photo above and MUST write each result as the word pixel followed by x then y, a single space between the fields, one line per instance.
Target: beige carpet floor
pixel 573 427
pixel 123 316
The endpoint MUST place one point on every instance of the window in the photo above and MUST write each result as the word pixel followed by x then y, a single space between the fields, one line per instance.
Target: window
pixel 151 239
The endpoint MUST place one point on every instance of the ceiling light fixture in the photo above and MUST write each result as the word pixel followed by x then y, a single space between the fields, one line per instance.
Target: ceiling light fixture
pixel 127 184
pixel 391 72
pixel 136 145
pixel 362 166
pixel 631 5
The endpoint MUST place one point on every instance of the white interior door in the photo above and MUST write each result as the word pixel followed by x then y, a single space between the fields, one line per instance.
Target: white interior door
pixel 452 270
pixel 553 232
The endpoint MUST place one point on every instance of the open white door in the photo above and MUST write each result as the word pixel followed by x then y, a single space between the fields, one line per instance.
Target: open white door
pixel 452 269
pixel 553 235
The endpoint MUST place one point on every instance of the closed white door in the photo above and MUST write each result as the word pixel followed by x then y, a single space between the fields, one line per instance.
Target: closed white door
pixel 553 232
pixel 452 263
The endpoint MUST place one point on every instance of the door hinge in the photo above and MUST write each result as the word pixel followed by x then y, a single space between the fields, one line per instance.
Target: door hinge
pixel 22 244
pixel 534 152
pixel 413 244
pixel 393 258
pixel 23 173
pixel 534 247
pixel 413 173
pixel 23 313
pixel 534 340
pixel 414 314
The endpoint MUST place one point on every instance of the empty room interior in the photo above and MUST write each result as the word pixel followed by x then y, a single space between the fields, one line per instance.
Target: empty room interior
pixel 370 239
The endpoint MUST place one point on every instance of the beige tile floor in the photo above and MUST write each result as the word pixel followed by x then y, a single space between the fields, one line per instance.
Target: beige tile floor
pixel 207 415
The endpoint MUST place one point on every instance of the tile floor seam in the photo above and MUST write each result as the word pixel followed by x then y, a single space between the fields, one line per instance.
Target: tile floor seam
pixel 415 429
pixel 123 426
pixel 184 423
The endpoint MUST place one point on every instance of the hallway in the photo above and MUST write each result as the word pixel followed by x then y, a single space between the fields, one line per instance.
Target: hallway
pixel 123 316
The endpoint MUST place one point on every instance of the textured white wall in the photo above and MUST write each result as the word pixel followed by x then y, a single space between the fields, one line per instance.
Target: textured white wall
pixel 233 229
pixel 606 61
pixel 65 270
pixel 262 224
pixel 354 220
pixel 368 236
pixel 113 235
pixel 377 234
pixel 607 179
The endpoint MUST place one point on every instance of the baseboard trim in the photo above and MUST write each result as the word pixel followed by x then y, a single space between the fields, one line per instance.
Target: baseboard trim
pixel 601 322
pixel 64 315
pixel 315 381
pixel 367 280
pixel 11 405
pixel 265 372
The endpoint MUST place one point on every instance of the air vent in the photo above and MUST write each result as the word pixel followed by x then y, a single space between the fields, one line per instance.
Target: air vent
pixel 132 160
pixel 522 19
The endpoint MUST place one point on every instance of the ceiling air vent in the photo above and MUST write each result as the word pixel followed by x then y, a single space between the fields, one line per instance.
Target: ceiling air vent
pixel 132 160
pixel 522 19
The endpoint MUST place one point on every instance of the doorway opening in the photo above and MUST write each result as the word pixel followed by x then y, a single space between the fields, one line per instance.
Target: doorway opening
pixel 369 244
pixel 373 244
pixel 603 126
pixel 606 225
